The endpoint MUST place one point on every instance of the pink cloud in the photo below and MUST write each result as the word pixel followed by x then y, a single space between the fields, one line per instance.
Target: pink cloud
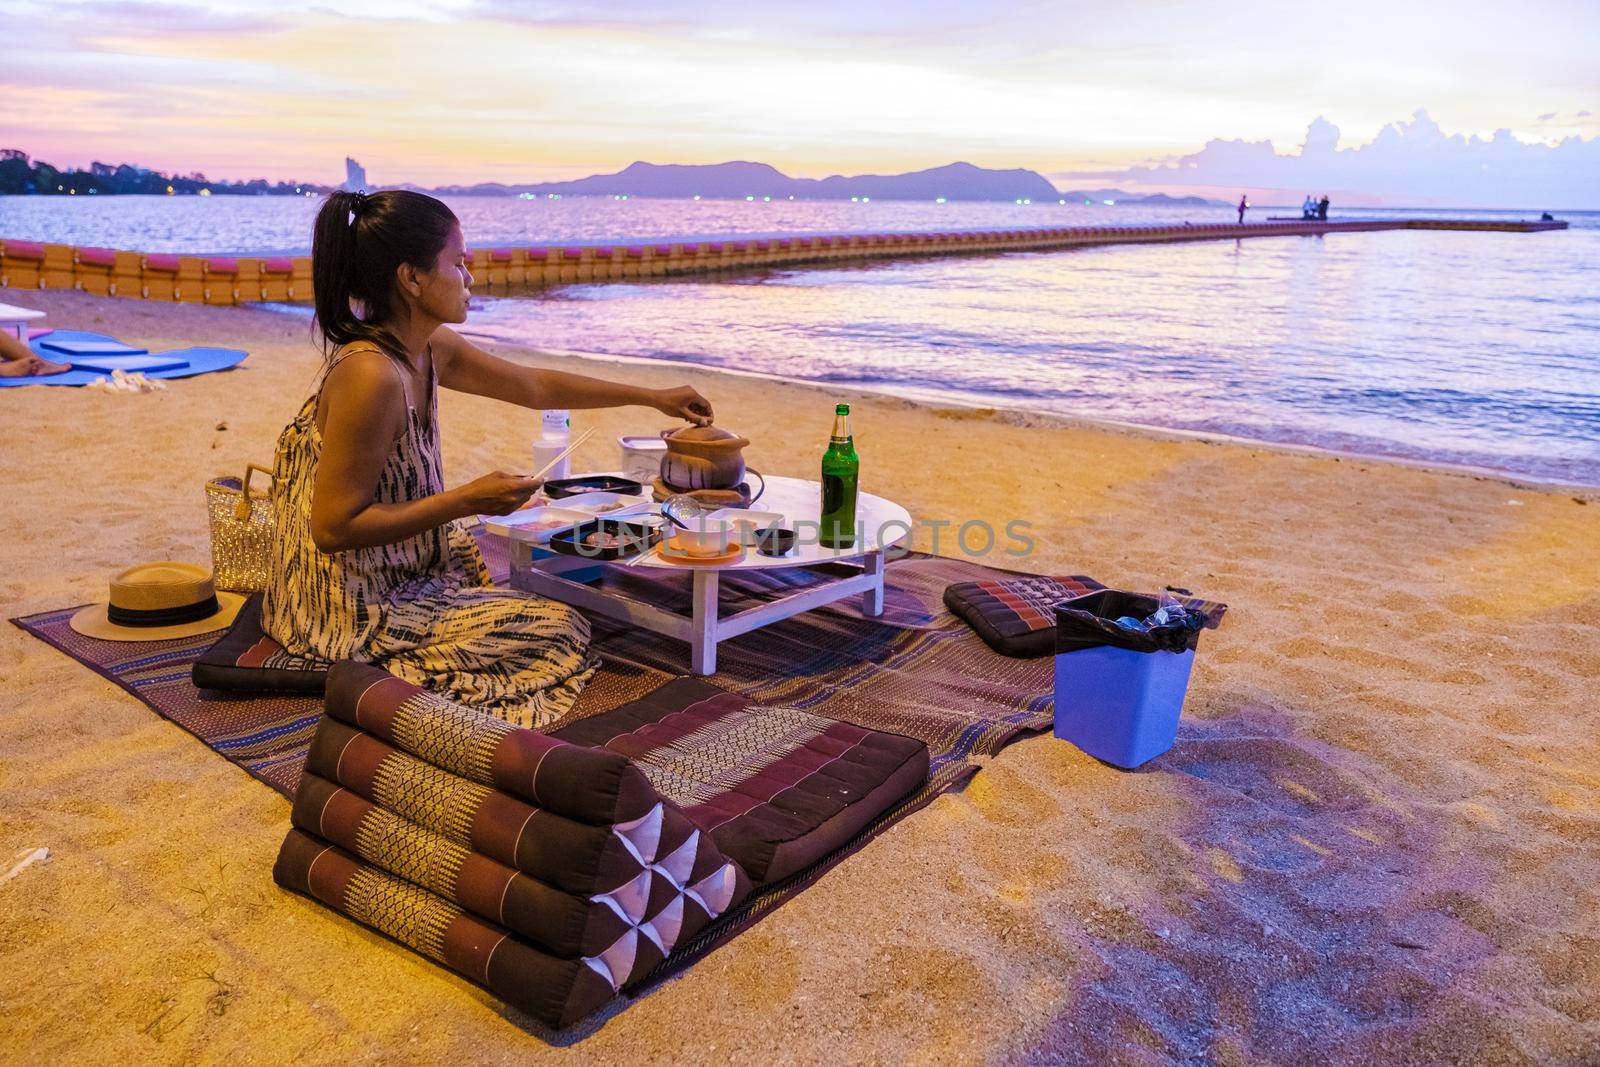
pixel 1409 159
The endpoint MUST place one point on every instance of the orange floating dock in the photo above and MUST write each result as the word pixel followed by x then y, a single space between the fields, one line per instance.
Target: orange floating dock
pixel 504 270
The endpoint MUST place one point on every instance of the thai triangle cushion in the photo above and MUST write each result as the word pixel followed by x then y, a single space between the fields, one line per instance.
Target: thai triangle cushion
pixel 420 818
pixel 562 884
pixel 563 923
pixel 246 660
pixel 616 891
pixel 622 930
pixel 776 787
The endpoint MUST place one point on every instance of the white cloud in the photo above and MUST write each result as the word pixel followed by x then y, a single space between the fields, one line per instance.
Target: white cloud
pixel 1411 159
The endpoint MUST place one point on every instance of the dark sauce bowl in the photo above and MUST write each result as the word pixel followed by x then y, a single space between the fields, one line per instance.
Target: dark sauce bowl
pixel 775 541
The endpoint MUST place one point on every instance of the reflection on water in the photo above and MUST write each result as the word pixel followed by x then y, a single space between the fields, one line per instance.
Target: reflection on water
pixel 282 224
pixel 1480 349
pixel 1474 348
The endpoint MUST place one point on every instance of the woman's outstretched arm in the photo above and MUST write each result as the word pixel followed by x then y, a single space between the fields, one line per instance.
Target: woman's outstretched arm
pixel 465 367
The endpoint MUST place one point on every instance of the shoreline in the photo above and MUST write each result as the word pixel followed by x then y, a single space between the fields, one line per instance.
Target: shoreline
pixel 1042 418
pixel 1018 415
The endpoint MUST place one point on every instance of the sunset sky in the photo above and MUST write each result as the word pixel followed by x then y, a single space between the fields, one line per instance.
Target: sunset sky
pixel 481 90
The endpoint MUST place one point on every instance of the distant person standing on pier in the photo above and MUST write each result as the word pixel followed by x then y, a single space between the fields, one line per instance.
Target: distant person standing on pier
pixel 1308 210
pixel 1243 203
pixel 1322 208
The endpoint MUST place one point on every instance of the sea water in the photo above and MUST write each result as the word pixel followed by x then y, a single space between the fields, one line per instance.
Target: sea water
pixel 1480 349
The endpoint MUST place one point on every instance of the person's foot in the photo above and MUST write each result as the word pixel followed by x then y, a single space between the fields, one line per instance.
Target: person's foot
pixel 32 366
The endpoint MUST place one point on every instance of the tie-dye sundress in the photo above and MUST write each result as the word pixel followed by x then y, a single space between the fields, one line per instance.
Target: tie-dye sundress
pixel 421 608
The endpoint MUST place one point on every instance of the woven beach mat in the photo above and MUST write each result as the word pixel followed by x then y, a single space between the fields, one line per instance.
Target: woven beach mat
pixel 915 670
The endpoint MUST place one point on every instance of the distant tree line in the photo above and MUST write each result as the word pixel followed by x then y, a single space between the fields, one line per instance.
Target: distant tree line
pixel 20 176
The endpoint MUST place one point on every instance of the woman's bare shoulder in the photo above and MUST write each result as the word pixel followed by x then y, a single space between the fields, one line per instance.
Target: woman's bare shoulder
pixel 446 344
pixel 366 367
pixel 365 381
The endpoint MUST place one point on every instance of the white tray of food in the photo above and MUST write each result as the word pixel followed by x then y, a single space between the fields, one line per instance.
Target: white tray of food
pixel 606 504
pixel 541 522
pixel 534 524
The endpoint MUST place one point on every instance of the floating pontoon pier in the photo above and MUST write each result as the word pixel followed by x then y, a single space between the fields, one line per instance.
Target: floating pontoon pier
pixel 504 270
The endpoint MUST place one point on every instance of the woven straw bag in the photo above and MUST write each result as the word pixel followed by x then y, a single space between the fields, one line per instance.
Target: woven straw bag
pixel 241 531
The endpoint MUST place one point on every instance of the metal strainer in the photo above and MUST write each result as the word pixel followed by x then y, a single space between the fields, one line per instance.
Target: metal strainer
pixel 681 509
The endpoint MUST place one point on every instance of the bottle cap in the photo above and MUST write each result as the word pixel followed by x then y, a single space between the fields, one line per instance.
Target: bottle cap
pixel 842 409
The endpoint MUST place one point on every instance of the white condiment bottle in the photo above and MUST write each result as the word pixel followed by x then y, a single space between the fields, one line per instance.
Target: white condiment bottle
pixel 555 434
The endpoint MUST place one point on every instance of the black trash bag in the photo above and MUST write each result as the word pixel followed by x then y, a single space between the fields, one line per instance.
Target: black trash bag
pixel 1129 620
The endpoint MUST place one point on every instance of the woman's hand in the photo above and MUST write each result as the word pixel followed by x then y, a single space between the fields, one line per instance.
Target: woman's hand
pixel 497 493
pixel 683 403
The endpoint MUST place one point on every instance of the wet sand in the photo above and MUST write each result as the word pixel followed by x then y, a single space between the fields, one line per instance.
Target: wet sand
pixel 1377 840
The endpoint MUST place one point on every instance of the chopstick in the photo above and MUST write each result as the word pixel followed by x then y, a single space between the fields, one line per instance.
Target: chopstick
pixel 653 550
pixel 565 452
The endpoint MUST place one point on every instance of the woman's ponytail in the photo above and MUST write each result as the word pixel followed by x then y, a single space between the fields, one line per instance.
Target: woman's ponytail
pixel 358 243
pixel 333 261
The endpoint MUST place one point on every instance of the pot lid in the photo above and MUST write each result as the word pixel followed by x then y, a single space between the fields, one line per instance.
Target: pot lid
pixel 701 434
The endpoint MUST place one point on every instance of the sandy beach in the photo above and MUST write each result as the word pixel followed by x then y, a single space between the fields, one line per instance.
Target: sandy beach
pixel 1378 839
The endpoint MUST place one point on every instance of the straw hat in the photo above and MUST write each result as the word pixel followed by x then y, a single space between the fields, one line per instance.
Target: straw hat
pixel 158 602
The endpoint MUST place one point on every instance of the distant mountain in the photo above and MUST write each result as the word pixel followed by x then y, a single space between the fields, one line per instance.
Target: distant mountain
pixel 736 180
pixel 1163 200
pixel 957 181
pixel 1118 196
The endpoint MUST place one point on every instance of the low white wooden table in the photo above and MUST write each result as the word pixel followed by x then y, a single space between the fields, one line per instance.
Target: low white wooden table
pixel 16 321
pixel 885 522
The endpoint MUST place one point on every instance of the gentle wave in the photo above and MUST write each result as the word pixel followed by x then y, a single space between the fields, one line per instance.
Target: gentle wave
pixel 1479 349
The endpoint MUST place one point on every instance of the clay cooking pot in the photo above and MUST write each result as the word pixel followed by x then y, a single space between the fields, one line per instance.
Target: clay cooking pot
pixel 703 457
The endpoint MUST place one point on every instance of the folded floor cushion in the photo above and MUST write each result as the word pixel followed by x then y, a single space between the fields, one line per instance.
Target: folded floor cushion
pixel 1016 616
pixel 559 869
pixel 777 788
pixel 559 922
pixel 591 785
pixel 627 929
pixel 557 992
pixel 431 857
pixel 246 660
pixel 576 856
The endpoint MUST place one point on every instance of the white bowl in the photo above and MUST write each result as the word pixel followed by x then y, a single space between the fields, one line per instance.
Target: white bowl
pixel 705 537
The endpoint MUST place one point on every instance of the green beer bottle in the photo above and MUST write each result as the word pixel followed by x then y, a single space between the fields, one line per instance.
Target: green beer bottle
pixel 841 470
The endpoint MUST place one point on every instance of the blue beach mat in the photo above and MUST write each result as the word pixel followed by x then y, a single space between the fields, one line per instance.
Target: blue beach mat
pixel 178 363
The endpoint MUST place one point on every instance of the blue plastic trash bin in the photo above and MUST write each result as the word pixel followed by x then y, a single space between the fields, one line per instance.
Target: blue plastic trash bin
pixel 1119 705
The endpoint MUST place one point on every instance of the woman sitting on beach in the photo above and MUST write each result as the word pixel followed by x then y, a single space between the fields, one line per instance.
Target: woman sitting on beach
pixel 371 559
pixel 17 360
